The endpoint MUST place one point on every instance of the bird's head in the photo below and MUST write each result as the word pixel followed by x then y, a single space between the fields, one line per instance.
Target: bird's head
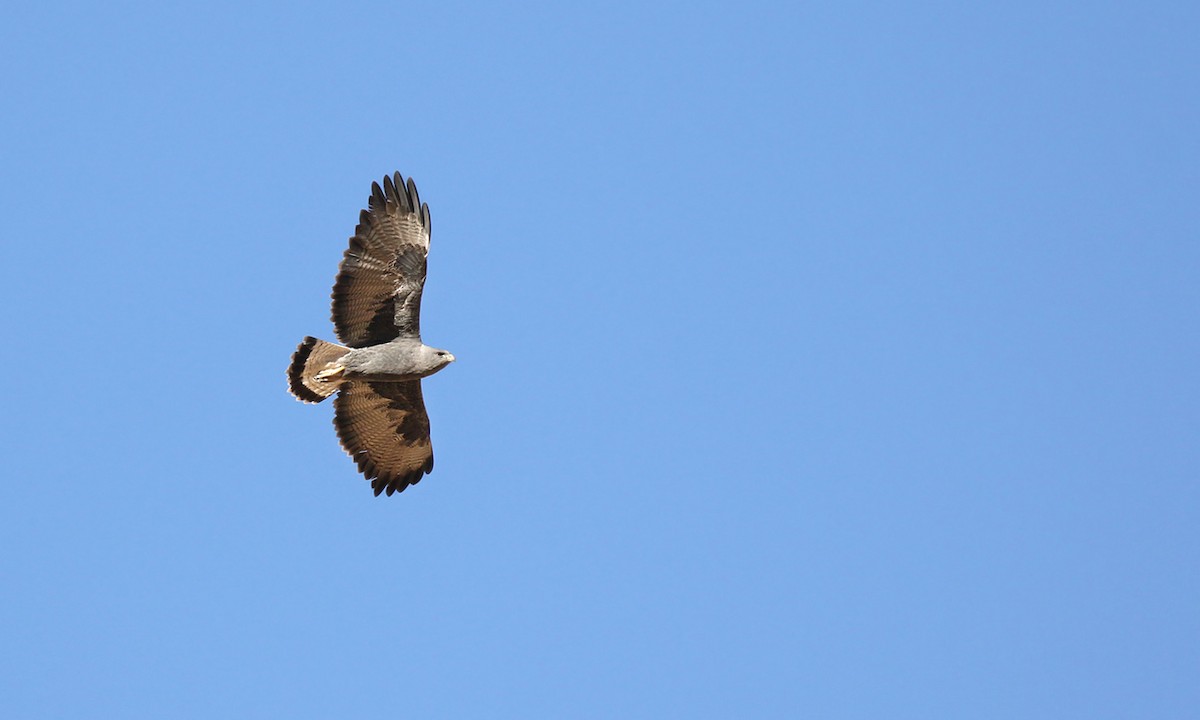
pixel 438 358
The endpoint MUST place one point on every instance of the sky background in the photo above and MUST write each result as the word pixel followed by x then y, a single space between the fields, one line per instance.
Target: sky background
pixel 824 360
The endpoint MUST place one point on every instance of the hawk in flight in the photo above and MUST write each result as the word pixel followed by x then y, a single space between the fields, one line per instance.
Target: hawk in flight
pixel 376 372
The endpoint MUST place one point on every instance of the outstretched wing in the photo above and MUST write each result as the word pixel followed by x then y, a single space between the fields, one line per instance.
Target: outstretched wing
pixel 384 428
pixel 377 294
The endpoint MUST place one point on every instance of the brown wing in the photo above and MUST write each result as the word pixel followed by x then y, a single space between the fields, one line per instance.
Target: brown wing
pixel 377 294
pixel 384 428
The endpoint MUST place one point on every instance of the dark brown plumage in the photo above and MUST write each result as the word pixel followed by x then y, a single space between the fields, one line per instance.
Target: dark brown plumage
pixel 377 293
pixel 379 413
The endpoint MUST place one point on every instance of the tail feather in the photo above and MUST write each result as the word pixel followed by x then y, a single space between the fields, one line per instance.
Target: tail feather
pixel 310 358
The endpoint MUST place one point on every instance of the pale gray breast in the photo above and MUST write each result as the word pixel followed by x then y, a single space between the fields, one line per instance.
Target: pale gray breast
pixel 401 358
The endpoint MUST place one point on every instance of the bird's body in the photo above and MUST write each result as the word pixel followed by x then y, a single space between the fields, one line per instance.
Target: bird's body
pixel 400 359
pixel 379 412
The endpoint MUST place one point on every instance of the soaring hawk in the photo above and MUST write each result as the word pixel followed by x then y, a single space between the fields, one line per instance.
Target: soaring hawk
pixel 378 412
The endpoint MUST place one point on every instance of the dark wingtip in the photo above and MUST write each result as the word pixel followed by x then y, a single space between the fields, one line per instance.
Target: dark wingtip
pixel 393 484
pixel 398 195
pixel 377 199
pixel 414 198
pixel 402 193
pixel 389 191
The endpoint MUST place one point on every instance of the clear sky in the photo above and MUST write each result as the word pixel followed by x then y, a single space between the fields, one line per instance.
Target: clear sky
pixel 815 360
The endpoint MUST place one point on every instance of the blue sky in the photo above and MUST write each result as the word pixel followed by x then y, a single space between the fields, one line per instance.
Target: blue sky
pixel 831 360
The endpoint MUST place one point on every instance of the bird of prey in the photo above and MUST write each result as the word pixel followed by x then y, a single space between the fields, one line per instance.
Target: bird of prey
pixel 378 412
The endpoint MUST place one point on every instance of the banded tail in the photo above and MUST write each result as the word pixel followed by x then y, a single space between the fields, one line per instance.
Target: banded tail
pixel 315 372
